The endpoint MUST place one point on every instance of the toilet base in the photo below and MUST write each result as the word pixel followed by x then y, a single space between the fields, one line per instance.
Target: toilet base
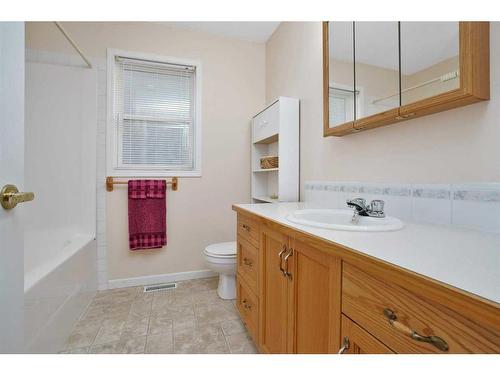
pixel 227 286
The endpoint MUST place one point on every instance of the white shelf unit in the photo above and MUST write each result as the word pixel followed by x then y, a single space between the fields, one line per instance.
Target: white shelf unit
pixel 275 132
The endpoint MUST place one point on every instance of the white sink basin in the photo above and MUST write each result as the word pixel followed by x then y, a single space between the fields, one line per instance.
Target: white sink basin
pixel 342 220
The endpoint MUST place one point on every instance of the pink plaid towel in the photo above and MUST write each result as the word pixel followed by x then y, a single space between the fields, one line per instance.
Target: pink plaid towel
pixel 147 214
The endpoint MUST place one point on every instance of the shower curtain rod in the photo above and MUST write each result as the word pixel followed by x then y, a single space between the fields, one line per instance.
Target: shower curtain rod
pixel 73 43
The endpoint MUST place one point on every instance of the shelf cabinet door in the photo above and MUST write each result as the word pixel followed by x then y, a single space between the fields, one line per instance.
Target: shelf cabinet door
pixel 340 85
pixel 360 341
pixel 429 59
pixel 316 278
pixel 274 292
pixel 376 72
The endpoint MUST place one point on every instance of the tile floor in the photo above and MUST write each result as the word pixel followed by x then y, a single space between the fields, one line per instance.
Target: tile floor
pixel 189 319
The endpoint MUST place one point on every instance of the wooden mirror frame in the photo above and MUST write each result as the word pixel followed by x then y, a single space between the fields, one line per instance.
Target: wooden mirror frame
pixel 474 61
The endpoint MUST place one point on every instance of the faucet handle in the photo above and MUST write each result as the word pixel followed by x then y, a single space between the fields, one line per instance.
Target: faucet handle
pixel 360 201
pixel 377 205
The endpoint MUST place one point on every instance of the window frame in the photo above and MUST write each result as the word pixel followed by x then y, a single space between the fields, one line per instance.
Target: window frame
pixel 112 138
pixel 359 98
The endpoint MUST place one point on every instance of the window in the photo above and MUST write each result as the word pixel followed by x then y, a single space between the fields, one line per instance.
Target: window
pixel 342 105
pixel 154 123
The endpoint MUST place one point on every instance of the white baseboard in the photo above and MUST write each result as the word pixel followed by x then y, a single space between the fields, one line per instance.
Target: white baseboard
pixel 158 279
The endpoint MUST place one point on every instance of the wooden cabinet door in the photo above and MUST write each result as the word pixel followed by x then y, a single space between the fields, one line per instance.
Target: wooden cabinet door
pixel 316 298
pixel 274 296
pixel 360 341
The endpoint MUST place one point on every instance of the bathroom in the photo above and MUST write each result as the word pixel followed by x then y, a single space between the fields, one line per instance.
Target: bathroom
pixel 314 185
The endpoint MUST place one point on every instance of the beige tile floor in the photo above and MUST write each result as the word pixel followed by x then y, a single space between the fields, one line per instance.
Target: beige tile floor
pixel 189 319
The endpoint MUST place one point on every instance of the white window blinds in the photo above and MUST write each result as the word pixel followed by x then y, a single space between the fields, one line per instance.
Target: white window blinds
pixel 154 112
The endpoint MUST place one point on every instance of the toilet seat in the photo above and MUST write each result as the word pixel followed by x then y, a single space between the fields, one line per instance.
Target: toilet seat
pixel 221 250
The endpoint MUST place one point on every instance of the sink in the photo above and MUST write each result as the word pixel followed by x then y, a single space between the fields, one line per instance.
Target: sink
pixel 341 220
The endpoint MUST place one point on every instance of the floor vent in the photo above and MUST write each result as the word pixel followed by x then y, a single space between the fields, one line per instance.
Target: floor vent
pixel 157 287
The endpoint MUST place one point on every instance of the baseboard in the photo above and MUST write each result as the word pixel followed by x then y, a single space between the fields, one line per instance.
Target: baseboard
pixel 158 279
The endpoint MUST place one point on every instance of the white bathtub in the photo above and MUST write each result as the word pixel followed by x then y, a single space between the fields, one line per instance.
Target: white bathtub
pixel 58 293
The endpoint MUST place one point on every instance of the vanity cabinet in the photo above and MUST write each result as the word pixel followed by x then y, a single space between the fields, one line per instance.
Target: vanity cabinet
pixel 298 293
pixel 381 73
pixel 297 298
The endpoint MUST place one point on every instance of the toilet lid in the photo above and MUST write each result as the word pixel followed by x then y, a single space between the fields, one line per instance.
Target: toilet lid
pixel 222 249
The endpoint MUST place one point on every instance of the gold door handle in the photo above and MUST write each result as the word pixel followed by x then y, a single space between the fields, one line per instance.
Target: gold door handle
pixel 437 341
pixel 10 197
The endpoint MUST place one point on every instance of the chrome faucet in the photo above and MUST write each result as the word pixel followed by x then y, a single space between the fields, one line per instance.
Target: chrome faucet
pixel 374 209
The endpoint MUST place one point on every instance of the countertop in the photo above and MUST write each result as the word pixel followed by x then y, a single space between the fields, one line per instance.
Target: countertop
pixel 463 258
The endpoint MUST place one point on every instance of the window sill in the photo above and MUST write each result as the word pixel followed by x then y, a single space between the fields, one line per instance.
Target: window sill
pixel 132 173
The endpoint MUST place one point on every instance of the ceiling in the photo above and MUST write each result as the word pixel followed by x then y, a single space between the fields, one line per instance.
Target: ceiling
pixel 422 44
pixel 249 31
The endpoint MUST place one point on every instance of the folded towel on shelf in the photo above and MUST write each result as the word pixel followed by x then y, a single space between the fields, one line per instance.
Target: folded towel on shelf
pixel 147 212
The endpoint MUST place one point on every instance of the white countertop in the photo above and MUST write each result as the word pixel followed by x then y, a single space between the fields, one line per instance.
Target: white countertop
pixel 463 258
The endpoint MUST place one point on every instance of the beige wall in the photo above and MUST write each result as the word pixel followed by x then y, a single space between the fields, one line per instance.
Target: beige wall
pixel 454 146
pixel 199 213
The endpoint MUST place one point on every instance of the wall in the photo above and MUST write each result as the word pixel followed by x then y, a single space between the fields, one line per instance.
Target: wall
pixel 199 213
pixel 459 145
pixel 60 103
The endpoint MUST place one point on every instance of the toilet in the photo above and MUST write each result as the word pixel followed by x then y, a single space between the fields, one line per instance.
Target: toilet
pixel 221 258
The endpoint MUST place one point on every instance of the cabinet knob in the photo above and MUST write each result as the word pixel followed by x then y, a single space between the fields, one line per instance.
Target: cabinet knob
pixel 247 262
pixel 246 305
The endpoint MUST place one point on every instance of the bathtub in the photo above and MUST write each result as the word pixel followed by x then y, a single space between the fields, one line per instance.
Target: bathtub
pixel 57 293
pixel 60 255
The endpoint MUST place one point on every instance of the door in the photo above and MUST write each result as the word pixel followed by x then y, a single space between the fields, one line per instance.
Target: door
pixel 274 292
pixel 12 172
pixel 317 300
pixel 355 340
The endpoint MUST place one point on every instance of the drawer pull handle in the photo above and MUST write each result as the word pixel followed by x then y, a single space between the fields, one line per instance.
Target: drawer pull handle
pixel 437 341
pixel 247 262
pixel 281 259
pixel 286 273
pixel 246 227
pixel 345 345
pixel 246 305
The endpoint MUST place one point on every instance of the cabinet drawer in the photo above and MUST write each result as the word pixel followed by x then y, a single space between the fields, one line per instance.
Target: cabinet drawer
pixel 266 123
pixel 248 263
pixel 392 313
pixel 248 229
pixel 248 306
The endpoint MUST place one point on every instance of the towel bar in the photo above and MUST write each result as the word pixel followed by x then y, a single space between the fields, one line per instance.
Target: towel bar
pixel 110 181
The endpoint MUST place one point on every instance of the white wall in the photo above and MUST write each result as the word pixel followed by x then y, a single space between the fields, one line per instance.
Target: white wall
pixel 199 213
pixel 60 160
pixel 459 145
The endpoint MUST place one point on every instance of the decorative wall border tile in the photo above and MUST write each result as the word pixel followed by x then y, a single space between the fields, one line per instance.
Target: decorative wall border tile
pixel 445 210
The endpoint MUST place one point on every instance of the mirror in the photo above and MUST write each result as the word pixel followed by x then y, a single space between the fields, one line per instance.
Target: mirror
pixel 341 98
pixel 429 59
pixel 377 67
pixel 381 73
pixel 363 70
